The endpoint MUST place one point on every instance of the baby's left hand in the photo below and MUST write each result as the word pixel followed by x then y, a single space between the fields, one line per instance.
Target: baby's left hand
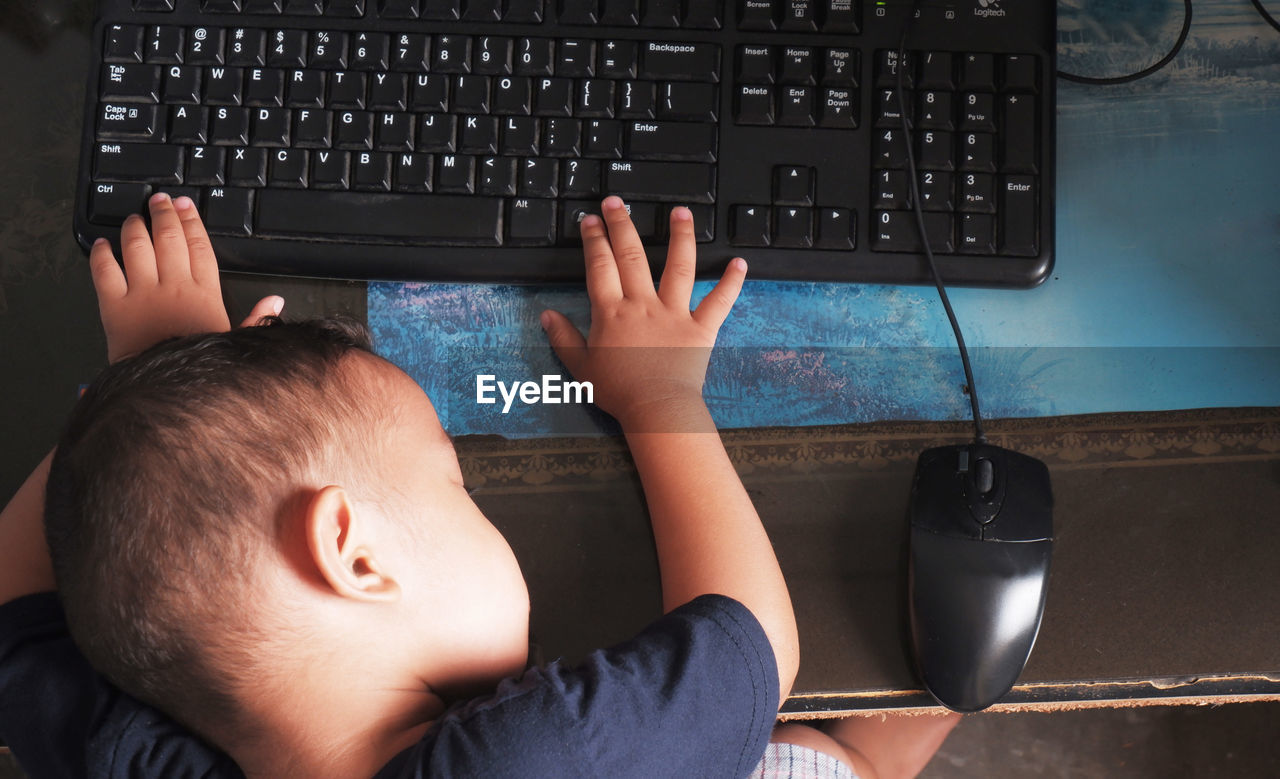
pixel 169 285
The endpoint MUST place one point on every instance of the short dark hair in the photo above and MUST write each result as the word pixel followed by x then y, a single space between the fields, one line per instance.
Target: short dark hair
pixel 167 481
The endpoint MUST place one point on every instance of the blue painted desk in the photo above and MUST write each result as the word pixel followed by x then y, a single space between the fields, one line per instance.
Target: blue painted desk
pixel 1164 294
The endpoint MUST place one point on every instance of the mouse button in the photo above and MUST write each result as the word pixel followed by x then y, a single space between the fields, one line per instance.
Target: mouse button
pixel 1027 514
pixel 986 477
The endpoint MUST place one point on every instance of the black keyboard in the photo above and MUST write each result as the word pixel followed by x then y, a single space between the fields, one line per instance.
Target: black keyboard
pixel 464 139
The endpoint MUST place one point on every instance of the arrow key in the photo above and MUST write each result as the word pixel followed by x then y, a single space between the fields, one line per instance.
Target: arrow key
pixel 793 185
pixel 837 229
pixel 749 226
pixel 795 227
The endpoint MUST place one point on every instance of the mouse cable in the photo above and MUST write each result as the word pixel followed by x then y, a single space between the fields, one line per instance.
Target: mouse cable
pixel 1177 47
pixel 912 175
pixel 1271 20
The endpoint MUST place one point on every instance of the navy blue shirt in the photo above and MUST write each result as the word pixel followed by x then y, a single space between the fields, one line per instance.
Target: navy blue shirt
pixel 695 694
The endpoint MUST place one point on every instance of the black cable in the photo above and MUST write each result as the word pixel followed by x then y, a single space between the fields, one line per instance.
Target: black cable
pixel 1271 20
pixel 978 435
pixel 1177 47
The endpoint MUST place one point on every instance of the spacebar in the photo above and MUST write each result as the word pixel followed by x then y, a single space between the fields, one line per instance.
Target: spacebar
pixel 421 219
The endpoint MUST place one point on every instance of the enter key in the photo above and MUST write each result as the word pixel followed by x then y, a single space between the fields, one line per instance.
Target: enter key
pixel 686 141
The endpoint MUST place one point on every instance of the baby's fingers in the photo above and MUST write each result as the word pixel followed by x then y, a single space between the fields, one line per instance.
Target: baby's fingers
pixel 139 256
pixel 568 343
pixel 271 305
pixel 204 265
pixel 715 307
pixel 108 279
pixel 172 260
pixel 677 277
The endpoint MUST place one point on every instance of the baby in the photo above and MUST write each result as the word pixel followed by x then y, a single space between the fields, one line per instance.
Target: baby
pixel 264 534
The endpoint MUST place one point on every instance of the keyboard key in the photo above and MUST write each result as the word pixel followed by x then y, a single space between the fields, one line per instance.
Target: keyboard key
pixel 381 218
pixel 411 52
pixel 1018 134
pixel 1020 73
pixel 493 55
pixel 230 127
pixel 621 13
pixel 113 203
pixel 796 106
pixel 130 83
pixel 437 133
pixel 793 185
pixel 351 9
pixel 578 11
pixel 693 142
pixel 797 66
pixel 753 105
pixel 579 178
pixel 229 211
pixel 452 54
pixel 891 190
pixel 688 101
pixel 206 166
pixel 354 130
pixel 637 100
pixel 413 173
pixel 539 177
pixel 595 98
pixel 839 109
pixel 498 176
pixel 387 91
pixel 887 69
pixel 304 7
pixel 146 162
pixel 328 49
pixel 755 64
pixel 518 137
pixel 182 85
pixel 977 151
pixel 933 111
pixel 800 16
pixel 678 182
pixel 399 9
pixel 261 6
pixel 346 89
pixel 935 150
pixel 702 16
pixel 394 132
pixel 839 17
pixel 978 112
pixel 288 169
pixel 513 96
pixel 270 127
pixel 554 97
pixel 456 173
pixel 561 137
pixel 188 124
pixel 896 231
pixel 619 59
pixel 164 45
pixel 935 191
pixel 935 70
pixel 287 49
pixel 248 167
pixel 312 129
pixel 371 171
pixel 576 58
pixel 224 86
pixel 441 10
pixel 529 11
pixel 756 15
pixel 837 229
pixel 471 94
pixel 479 135
pixel 660 13
pixel 977 71
pixel 264 87
pixel 204 46
pixel 1018 216
pixel 535 57
pixel 531 222
pixel 247 48
pixel 793 227
pixel 123 44
pixel 749 226
pixel 680 61
pixel 369 51
pixel 429 93
pixel 129 123
pixel 888 107
pixel 977 193
pixel 977 234
pixel 840 67
pixel 331 170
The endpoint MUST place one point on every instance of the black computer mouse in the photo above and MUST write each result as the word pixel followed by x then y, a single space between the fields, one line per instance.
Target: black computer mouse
pixel 981 536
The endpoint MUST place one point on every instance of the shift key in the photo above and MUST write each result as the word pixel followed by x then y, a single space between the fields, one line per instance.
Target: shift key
pixel 672 182
pixel 146 162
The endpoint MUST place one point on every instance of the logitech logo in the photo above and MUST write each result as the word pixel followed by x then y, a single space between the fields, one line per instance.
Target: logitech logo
pixel 987 8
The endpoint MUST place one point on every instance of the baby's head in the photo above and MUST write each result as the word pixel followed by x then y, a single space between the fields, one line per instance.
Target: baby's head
pixel 226 511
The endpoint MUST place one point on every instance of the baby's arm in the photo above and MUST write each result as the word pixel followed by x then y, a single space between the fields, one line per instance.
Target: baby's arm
pixel 169 287
pixel 646 356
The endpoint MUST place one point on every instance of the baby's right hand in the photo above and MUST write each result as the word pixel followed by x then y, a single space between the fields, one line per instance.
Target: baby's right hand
pixel 646 353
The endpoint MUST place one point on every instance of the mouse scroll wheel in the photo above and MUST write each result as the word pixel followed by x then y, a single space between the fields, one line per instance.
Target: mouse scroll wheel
pixel 984 476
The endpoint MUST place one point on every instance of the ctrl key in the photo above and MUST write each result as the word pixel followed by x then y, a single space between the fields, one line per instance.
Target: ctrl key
pixel 229 211
pixel 112 203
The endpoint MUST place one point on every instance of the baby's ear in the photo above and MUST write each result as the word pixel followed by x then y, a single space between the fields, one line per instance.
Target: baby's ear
pixel 342 550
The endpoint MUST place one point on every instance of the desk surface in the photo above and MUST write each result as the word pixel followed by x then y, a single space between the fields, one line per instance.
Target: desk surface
pixel 1159 573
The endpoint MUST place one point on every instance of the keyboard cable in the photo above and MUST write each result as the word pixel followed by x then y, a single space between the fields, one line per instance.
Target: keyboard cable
pixel 978 435
pixel 1177 47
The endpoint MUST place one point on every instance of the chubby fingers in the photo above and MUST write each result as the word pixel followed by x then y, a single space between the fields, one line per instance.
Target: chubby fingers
pixel 628 250
pixel 139 256
pixel 715 307
pixel 565 340
pixel 108 278
pixel 170 241
pixel 271 305
pixel 603 285
pixel 677 277
pixel 203 263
